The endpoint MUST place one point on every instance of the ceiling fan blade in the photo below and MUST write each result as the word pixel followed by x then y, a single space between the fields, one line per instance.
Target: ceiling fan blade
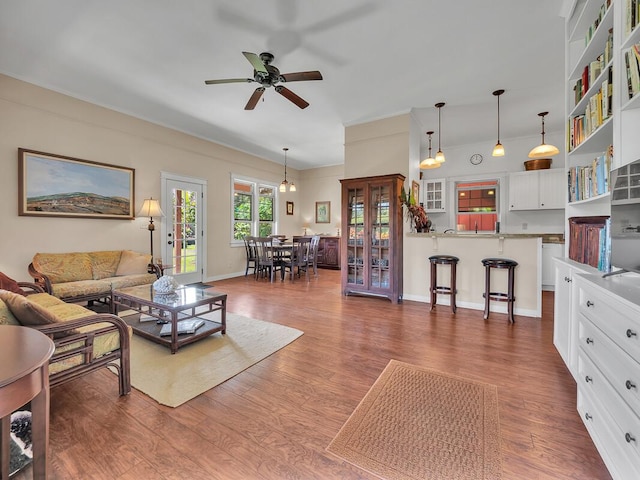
pixel 254 60
pixel 301 76
pixel 253 101
pixel 292 97
pixel 229 80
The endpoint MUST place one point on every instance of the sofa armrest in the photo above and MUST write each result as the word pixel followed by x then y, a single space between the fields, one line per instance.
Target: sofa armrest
pixel 153 268
pixel 31 287
pixel 41 279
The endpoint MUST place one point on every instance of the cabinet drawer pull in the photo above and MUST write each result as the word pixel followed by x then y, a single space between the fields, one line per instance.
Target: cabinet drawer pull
pixel 567 279
pixel 588 416
pixel 629 438
pixel 631 333
pixel 589 303
pixel 588 379
pixel 629 384
pixel 589 340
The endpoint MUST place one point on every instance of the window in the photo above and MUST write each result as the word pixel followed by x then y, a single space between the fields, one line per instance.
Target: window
pixel 477 205
pixel 247 219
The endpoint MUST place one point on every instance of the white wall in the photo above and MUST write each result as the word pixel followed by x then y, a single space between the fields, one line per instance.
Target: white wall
pixel 457 167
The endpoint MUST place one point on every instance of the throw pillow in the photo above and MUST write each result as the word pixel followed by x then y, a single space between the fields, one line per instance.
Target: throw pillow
pixel 132 263
pixel 27 313
pixel 7 283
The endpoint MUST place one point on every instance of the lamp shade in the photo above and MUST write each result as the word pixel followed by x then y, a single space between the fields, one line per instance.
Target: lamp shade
pixel 150 208
pixel 543 150
pixel 429 162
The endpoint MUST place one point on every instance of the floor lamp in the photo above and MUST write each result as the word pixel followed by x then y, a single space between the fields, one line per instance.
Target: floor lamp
pixel 151 208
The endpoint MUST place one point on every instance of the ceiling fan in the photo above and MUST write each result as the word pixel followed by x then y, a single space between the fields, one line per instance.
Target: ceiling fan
pixel 268 75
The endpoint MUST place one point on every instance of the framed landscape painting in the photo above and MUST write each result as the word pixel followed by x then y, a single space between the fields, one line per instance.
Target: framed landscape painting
pixel 56 186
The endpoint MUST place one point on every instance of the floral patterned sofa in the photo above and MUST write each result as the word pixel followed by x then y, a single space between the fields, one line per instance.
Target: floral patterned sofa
pixel 88 276
pixel 84 341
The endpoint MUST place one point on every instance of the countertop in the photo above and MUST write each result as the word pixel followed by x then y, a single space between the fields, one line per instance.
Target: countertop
pixel 546 237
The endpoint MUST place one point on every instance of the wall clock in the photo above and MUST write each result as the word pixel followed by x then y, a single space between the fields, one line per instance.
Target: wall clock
pixel 476 159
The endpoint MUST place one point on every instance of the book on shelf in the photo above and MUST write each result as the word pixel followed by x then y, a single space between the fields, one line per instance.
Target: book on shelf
pixel 184 327
pixel 633 71
pixel 588 181
pixel 589 241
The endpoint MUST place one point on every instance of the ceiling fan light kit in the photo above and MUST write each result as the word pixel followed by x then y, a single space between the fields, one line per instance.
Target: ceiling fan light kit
pixel 498 150
pixel 429 162
pixel 268 75
pixel 543 150
pixel 439 155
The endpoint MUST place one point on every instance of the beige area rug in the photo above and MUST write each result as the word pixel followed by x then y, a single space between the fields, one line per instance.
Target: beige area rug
pixel 416 423
pixel 174 379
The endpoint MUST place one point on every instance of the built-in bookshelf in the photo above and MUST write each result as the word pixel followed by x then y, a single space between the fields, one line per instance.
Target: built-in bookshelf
pixel 591 109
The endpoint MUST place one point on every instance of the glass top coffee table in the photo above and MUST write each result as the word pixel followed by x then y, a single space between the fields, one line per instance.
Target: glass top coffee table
pixel 168 311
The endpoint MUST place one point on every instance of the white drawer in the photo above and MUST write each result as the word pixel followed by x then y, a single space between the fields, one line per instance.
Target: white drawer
pixel 599 427
pixel 617 320
pixel 622 371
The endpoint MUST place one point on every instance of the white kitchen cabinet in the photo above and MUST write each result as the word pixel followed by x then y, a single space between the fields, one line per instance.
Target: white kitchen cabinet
pixel 537 190
pixel 608 321
pixel 549 251
pixel 564 321
pixel 434 195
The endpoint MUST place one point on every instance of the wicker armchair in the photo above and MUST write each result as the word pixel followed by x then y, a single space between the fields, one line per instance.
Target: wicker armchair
pixel 84 341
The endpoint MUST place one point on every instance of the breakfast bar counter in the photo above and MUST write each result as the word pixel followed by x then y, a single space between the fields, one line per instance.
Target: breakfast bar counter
pixel 471 248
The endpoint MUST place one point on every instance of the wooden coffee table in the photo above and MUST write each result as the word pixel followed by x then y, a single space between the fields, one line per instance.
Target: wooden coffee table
pixel 187 302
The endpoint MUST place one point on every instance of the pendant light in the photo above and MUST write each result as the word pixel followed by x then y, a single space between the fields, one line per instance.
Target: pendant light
pixel 284 185
pixel 498 150
pixel 439 155
pixel 429 162
pixel 543 150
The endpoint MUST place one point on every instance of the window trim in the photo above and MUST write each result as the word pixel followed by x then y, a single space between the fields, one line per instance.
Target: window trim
pixel 452 194
pixel 256 183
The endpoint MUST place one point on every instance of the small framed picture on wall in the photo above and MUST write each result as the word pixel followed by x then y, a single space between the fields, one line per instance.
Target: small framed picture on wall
pixel 323 212
pixel 415 191
pixel 289 208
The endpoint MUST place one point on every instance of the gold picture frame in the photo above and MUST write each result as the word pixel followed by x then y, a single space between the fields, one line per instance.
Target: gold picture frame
pixel 52 185
pixel 415 191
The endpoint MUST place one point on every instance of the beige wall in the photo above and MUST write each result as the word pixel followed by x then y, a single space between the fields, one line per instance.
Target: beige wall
pixel 39 119
pixel 380 147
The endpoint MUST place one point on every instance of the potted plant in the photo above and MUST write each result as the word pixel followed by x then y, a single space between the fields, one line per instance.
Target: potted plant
pixel 415 212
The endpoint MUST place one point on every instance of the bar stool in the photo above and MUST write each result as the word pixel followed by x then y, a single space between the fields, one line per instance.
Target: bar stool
pixel 439 289
pixel 488 295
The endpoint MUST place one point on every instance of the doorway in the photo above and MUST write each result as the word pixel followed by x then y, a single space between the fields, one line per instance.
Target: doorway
pixel 183 232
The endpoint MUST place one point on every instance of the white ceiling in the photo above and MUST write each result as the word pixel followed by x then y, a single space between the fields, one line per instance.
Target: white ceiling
pixel 379 58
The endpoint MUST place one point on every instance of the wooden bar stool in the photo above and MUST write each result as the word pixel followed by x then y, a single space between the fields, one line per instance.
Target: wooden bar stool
pixel 488 295
pixel 436 289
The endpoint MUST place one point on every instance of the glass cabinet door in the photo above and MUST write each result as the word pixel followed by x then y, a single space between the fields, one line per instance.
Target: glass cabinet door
pixel 356 236
pixel 380 229
pixel 434 195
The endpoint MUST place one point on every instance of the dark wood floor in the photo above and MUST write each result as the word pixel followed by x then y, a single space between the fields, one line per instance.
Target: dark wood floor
pixel 274 420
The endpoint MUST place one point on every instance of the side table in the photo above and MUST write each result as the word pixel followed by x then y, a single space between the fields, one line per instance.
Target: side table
pixel 24 377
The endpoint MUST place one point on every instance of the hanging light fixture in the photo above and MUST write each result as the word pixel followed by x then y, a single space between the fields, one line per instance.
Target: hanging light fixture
pixel 429 162
pixel 439 155
pixel 498 150
pixel 543 150
pixel 284 185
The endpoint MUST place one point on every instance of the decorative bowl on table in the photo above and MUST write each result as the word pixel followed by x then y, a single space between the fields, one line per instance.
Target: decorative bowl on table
pixel 165 285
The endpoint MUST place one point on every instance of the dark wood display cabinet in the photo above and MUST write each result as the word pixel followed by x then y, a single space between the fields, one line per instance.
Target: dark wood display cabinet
pixel 329 252
pixel 371 254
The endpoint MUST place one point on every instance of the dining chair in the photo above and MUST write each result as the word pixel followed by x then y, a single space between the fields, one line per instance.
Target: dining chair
pixel 299 259
pixel 252 254
pixel 268 262
pixel 312 258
